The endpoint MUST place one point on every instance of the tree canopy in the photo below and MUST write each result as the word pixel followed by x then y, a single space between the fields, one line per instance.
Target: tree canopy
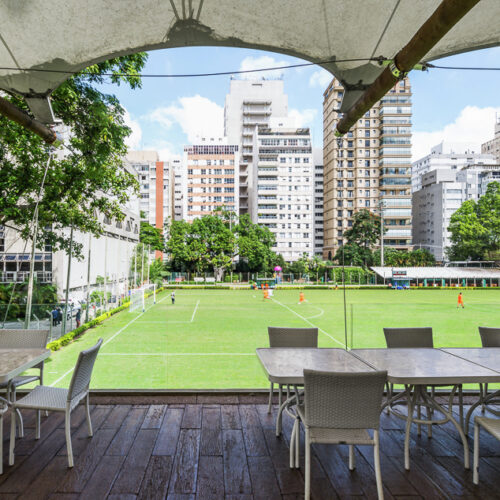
pixel 152 236
pixel 83 180
pixel 475 227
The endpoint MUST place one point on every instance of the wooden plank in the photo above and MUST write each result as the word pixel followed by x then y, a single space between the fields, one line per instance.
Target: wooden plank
pixel 263 477
pixel 63 496
pixel 125 436
pixel 185 468
pixel 210 478
pixel 130 478
pixel 156 478
pixel 122 496
pixel 166 442
pixel 236 475
pixel 116 417
pixel 255 443
pixel 77 478
pixel 230 417
pixel 211 433
pixel 154 417
pixel 179 496
pixel 192 417
pixel 102 479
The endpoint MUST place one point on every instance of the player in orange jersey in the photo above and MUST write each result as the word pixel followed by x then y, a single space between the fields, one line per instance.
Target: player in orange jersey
pixel 460 301
pixel 301 298
pixel 266 294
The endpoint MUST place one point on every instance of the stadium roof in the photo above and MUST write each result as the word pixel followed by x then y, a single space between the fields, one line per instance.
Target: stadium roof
pixel 69 35
pixel 414 273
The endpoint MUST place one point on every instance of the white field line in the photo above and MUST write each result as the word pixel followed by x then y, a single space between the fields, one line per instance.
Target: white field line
pixel 194 312
pixel 316 315
pixel 110 339
pixel 177 354
pixel 312 324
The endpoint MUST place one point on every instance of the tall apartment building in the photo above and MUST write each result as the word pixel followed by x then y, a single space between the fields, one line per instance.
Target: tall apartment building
pixel 156 181
pixel 285 187
pixel 493 146
pixel 447 156
pixel 443 192
pixel 368 168
pixel 212 177
pixel 250 104
pixel 179 188
pixel 318 201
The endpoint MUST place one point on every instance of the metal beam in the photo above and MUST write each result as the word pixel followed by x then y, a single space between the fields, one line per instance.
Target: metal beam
pixel 447 15
pixel 18 115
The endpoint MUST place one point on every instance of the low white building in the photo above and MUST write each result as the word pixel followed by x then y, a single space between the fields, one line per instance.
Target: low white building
pixel 285 187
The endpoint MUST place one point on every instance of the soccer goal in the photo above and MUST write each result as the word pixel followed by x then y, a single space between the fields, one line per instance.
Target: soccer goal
pixel 141 297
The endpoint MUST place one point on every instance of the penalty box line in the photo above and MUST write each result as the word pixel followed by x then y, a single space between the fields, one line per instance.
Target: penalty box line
pixel 111 338
pixel 312 324
pixel 174 321
pixel 177 354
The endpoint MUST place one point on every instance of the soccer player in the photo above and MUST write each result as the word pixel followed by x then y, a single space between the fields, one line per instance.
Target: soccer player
pixel 301 297
pixel 172 296
pixel 266 294
pixel 460 301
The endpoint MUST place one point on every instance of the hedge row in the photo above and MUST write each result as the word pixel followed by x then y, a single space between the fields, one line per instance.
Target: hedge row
pixel 77 332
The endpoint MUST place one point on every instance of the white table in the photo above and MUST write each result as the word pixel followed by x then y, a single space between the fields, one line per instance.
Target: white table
pixel 422 367
pixel 488 357
pixel 286 365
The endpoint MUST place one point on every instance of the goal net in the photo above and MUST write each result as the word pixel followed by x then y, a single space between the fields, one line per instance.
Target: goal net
pixel 140 298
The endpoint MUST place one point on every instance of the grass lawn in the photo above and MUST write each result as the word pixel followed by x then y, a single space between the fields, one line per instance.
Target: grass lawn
pixel 208 338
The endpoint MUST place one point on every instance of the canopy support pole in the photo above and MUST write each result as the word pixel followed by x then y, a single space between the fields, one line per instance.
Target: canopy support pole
pixel 18 115
pixel 447 15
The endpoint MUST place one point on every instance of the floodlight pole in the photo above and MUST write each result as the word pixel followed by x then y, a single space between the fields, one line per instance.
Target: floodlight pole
pixel 27 316
pixel 135 267
pixel 381 206
pixel 105 272
pixel 142 266
pixel 149 255
pixel 88 280
pixel 65 317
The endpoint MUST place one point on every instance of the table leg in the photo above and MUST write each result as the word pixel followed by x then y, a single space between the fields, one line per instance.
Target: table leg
pixel 410 404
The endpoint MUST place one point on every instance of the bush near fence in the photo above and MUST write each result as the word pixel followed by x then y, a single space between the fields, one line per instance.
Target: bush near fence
pixel 77 332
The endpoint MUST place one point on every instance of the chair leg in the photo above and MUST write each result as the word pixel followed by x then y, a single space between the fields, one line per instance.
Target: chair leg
pixel 280 394
pixel 475 473
pixel 20 425
pixel 68 438
pixel 37 424
pixel 297 446
pixel 270 406
pixel 376 461
pixel 292 445
pixel 419 416
pixel 12 443
pixel 87 413
pixel 307 494
pixel 1 443
pixel 461 405
pixel 352 464
pixel 482 393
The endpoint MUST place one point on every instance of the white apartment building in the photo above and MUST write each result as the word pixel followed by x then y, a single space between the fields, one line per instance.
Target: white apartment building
pixel 212 179
pixel 250 104
pixel 443 192
pixel 448 156
pixel 318 201
pixel 493 146
pixel 285 187
pixel 179 188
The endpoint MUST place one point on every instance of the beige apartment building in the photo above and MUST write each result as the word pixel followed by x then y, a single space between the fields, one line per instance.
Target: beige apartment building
pixel 212 178
pixel 493 146
pixel 369 167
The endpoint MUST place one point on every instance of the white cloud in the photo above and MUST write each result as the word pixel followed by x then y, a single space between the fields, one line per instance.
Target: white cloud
pixel 320 78
pixel 303 118
pixel 197 116
pixel 262 62
pixel 472 126
pixel 133 141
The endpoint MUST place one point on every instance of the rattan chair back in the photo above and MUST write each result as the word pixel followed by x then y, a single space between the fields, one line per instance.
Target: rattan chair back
pixel 292 337
pixel 490 337
pixel 83 371
pixel 408 337
pixel 339 400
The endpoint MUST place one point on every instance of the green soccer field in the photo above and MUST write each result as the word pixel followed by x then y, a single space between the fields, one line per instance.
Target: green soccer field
pixel 208 338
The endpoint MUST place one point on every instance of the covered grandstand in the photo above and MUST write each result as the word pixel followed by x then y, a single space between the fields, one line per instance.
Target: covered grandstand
pixel 439 276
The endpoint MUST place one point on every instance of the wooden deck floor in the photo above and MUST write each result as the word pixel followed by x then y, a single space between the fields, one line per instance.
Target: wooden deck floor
pixel 188 447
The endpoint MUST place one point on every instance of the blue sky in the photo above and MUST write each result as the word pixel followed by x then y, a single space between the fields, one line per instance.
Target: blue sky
pixel 168 113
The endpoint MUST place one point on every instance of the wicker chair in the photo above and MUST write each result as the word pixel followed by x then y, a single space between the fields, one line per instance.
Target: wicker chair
pixel 492 425
pixel 3 408
pixel 62 400
pixel 414 338
pixel 490 337
pixel 22 339
pixel 289 337
pixel 339 408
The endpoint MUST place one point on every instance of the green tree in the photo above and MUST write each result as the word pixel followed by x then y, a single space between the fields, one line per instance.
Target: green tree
pixel 254 244
pixel 152 236
pixel 87 180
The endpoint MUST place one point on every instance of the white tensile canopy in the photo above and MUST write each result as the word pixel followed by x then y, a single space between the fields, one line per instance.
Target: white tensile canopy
pixel 69 35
